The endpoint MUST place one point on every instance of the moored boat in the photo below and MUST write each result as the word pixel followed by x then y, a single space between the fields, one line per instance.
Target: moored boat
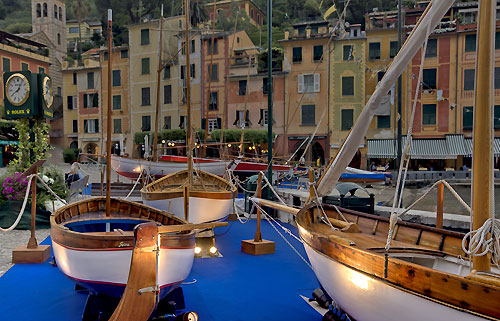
pixel 132 168
pixel 95 250
pixel 210 197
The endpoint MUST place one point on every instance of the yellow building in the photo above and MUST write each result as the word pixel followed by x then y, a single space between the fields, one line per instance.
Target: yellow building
pixel 381 48
pixel 143 62
pixel 306 59
pixel 82 104
pixel 88 29
pixel 347 86
pixel 120 111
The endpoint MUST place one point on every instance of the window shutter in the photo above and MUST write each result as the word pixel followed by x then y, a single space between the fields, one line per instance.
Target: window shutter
pixel 316 83
pixel 85 101
pixel 96 123
pixel 237 118
pixel 219 123
pixel 247 118
pixel 75 102
pixel 301 84
pixel 261 116
pixel 203 123
pixel 95 100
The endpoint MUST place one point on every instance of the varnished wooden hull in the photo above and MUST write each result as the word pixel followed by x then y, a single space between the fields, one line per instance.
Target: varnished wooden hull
pixel 100 260
pixel 210 197
pixel 351 267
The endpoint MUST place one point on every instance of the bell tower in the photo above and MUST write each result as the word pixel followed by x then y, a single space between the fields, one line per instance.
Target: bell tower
pixel 49 16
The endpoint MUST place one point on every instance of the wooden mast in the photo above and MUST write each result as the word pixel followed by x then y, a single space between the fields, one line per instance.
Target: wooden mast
pixel 210 71
pixel 482 183
pixel 157 111
pixel 108 142
pixel 189 150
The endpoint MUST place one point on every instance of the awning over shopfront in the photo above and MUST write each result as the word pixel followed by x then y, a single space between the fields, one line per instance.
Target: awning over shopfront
pixel 449 148
pixel 496 147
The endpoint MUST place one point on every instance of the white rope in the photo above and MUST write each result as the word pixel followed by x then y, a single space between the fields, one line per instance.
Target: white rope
pixel 272 189
pixel 481 243
pixel 269 218
pixel 324 217
pixel 21 212
pixel 50 190
pixel 133 187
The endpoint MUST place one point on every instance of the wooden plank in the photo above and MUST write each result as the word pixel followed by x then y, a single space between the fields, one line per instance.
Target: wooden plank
pixel 135 305
pixel 189 227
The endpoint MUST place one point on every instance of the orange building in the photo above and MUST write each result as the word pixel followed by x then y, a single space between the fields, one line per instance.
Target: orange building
pixel 256 100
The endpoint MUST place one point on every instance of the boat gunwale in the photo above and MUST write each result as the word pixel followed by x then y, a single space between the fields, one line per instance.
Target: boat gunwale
pixel 89 240
pixel 445 288
pixel 159 194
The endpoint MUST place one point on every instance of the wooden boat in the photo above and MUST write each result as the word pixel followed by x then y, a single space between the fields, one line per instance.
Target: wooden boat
pixel 423 278
pixel 379 269
pixel 121 249
pixel 210 197
pixel 95 250
pixel 131 167
pixel 196 195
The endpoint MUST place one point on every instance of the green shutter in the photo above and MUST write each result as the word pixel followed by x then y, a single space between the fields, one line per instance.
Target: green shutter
pixel 117 102
pixel 467 117
pixel 470 43
pixel 347 86
pixel 144 36
pixel 429 114
pixel 145 66
pixel 347 116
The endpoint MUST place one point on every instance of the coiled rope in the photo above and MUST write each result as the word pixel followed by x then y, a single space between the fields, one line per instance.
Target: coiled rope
pixel 481 243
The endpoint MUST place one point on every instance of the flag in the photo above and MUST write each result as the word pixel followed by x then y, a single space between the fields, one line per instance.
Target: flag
pixel 328 12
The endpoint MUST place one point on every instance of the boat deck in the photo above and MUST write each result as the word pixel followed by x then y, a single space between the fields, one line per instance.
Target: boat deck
pixel 235 287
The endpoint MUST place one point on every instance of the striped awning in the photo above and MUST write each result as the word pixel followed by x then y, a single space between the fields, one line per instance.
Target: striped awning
pixel 456 144
pixel 449 148
pixel 419 149
pixel 496 146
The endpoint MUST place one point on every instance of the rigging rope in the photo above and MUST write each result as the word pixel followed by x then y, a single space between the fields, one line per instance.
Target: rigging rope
pixel 269 218
pixel 405 156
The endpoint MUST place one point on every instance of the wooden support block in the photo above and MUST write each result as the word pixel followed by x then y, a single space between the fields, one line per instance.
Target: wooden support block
pixel 22 254
pixel 257 248
pixel 232 217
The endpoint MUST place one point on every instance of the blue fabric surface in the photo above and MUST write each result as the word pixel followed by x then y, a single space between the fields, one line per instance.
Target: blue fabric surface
pixel 235 287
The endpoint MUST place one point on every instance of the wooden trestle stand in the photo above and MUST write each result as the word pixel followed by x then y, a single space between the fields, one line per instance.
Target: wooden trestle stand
pixel 32 253
pixel 258 246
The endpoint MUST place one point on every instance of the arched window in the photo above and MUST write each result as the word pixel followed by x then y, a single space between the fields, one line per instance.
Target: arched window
pixel 58 38
pixel 60 14
pixel 38 10
pixel 45 9
pixel 55 11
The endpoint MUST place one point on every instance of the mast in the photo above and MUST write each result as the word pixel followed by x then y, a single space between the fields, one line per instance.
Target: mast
pixel 108 142
pixel 210 71
pixel 270 91
pixel 399 116
pixel 482 182
pixel 157 111
pixel 189 150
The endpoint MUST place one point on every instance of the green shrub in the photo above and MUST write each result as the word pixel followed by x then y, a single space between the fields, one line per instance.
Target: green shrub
pixel 70 155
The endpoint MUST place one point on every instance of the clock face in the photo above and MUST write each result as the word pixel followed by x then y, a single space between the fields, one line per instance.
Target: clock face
pixel 18 89
pixel 47 91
